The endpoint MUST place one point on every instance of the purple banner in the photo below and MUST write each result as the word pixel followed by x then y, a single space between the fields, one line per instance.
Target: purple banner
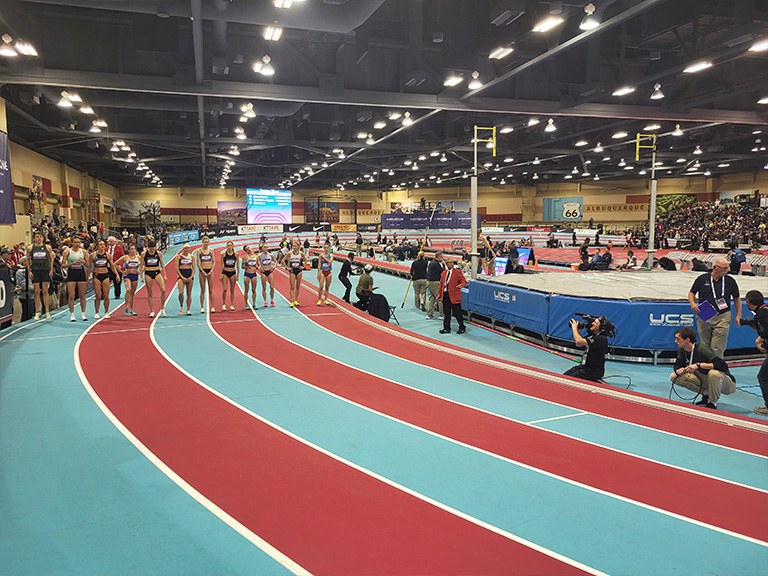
pixel 420 221
pixel 7 213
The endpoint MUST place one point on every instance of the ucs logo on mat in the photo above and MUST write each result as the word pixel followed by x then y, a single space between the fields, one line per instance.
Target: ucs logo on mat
pixel 671 319
pixel 504 297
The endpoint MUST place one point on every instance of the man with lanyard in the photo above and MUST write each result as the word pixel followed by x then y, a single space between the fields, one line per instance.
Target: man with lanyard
pixel 700 369
pixel 718 289
pixel 756 304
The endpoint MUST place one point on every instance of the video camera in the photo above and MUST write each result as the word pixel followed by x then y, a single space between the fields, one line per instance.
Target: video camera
pixel 606 326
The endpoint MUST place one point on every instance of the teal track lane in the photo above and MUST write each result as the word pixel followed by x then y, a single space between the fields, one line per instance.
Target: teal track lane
pixel 76 497
pixel 600 531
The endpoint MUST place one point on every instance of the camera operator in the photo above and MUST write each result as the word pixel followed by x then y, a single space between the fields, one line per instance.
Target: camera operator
pixel 592 365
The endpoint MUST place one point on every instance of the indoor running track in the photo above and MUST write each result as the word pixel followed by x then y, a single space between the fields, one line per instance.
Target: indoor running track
pixel 319 441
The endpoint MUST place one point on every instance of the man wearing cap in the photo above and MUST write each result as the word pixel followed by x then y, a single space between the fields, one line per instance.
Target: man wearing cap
pixel 719 289
pixel 452 280
pixel 364 288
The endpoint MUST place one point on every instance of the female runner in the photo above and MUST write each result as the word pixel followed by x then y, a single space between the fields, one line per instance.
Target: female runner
pixel 206 263
pixel 185 266
pixel 294 262
pixel 75 260
pixel 131 264
pixel 266 265
pixel 324 265
pixel 40 264
pixel 250 276
pixel 229 273
pixel 102 264
pixel 154 273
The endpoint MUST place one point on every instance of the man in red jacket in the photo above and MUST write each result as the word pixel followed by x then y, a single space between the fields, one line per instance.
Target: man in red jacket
pixel 451 282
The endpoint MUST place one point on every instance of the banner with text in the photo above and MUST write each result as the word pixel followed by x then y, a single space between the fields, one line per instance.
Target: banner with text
pixel 259 229
pixel 296 228
pixel 183 236
pixel 420 221
pixel 7 213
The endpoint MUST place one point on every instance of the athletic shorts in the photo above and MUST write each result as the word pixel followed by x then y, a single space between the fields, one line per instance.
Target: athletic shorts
pixel 151 273
pixel 228 273
pixel 39 276
pixel 76 275
pixel 102 276
pixel 326 272
pixel 297 271
pixel 132 277
pixel 251 274
pixel 267 272
pixel 185 273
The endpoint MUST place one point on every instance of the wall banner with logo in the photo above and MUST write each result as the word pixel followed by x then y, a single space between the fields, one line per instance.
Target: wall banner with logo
pixel 297 228
pixel 183 236
pixel 7 213
pixel 259 229
pixel 563 209
pixel 515 306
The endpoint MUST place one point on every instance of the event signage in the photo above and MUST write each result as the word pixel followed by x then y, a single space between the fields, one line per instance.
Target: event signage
pixel 563 209
pixel 7 213
pixel 6 296
pixel 420 221
pixel 183 236
pixel 367 227
pixel 296 228
pixel 259 228
pixel 266 206
pixel 343 227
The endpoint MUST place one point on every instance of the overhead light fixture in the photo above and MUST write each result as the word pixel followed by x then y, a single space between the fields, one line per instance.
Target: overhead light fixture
pixel 407 120
pixel 24 48
pixel 657 94
pixel 680 160
pixel 100 123
pixel 273 33
pixel 759 46
pixel 581 142
pixel 697 150
pixel 622 163
pixel 506 130
pixel 65 102
pixel 550 127
pixel 370 141
pixel 606 158
pixel 490 145
pixel 115 148
pixel 536 160
pixel 677 131
pixel 623 91
pixel 86 110
pixel 697 67
pixel 642 172
pixel 590 21
pixel 241 136
pixel 533 121
pixel 234 150
pixel 434 154
pixel 501 52
pixel 475 83
pixel 596 177
pixel 379 125
pixel 598 148
pixel 548 23
pixel 619 135
pixel 443 158
pixel 394 115
pixel 652 127
pixel 95 128
pixel 575 170
pixel 630 167
pixel 763 100
pixel 361 135
pixel 535 176
pixel 585 174
pixel 264 67
pixel 422 158
pixel 407 162
pixel 453 79
pixel 125 148
pixel 283 3
pixel 7 49
pixel 508 159
pixel 708 172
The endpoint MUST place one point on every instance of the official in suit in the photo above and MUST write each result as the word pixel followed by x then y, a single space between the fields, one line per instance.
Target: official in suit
pixel 452 280
pixel 115 251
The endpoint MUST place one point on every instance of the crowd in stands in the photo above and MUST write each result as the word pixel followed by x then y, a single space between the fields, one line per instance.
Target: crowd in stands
pixel 703 222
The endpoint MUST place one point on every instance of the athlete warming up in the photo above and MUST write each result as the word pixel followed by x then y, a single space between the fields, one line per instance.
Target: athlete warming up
pixel 185 266
pixel 206 264
pixel 154 273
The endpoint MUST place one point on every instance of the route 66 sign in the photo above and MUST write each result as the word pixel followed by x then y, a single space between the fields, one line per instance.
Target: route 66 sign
pixel 571 211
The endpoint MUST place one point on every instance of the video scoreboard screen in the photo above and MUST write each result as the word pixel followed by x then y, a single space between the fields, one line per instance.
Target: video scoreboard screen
pixel 268 206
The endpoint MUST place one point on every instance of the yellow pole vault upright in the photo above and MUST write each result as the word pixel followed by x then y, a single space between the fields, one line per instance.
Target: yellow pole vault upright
pixel 652 206
pixel 473 190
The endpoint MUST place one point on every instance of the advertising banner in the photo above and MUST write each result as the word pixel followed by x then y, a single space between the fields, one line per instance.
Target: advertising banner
pixel 343 227
pixel 515 306
pixel 6 296
pixel 259 229
pixel 7 213
pixel 183 236
pixel 321 211
pixel 296 228
pixel 367 227
pixel 230 212
pixel 563 209
pixel 219 231
pixel 420 221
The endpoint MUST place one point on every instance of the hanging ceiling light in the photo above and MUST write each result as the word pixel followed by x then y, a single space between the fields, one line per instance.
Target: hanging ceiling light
pixel 763 100
pixel 596 177
pixel 370 141
pixel 65 102
pixel 394 115
pixel 361 135
pixel 623 91
pixel 24 48
pixel 581 142
pixel 475 83
pixel 86 110
pixel 100 123
pixel 759 46
pixel 407 120
pixel 657 94
pixel 7 49
pixel 443 158
pixel 590 21
pixel 652 127
pixel 508 159
pixel 234 150
pixel 490 145
pixel 575 170
pixel 550 127
pixel 697 66
pixel 677 131
pixel 501 52
pixel 533 122
pixel 115 148
pixel 536 160
pixel 598 148
pixel 95 128
pixel 622 163
pixel 273 33
pixel 549 22
pixel 453 79
pixel 697 150
pixel 506 130
pixel 264 67
pixel 619 135
pixel 379 125
pixel 535 176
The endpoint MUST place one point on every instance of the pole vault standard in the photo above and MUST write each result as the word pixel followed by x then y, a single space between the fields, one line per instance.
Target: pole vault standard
pixel 473 193
pixel 652 207
pixel 423 243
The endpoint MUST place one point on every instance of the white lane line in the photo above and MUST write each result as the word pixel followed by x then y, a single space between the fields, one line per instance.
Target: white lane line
pixel 539 376
pixel 41 322
pixel 486 452
pixel 362 469
pixel 554 418
pixel 260 543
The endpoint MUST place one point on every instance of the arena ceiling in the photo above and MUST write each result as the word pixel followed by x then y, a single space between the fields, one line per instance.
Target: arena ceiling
pixel 173 80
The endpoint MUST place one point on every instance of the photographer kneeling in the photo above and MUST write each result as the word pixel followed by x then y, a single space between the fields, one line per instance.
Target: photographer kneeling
pixel 592 365
pixel 700 370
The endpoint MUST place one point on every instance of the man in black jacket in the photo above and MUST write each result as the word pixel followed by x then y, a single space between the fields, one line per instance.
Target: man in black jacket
pixel 344 273
pixel 699 369
pixel 756 304
pixel 434 271
pixel 592 365
pixel 419 278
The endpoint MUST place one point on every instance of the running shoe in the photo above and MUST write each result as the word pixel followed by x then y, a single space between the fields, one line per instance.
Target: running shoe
pixel 319 302
pixel 96 316
pixel 72 317
pixel 151 314
pixel 296 304
pixel 37 315
pixel 326 302
pixel 265 304
pixel 291 304
pixel 224 308
pixel 162 312
pixel 189 313
pixel 85 318
pixel 47 315
pixel 107 316
pixel 202 310
pixel 213 310
pixel 127 312
pixel 232 308
pixel 272 303
pixel 133 313
pixel 181 311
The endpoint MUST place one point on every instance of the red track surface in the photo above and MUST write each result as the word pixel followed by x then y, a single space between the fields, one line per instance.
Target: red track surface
pixel 737 509
pixel 627 410
pixel 323 514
